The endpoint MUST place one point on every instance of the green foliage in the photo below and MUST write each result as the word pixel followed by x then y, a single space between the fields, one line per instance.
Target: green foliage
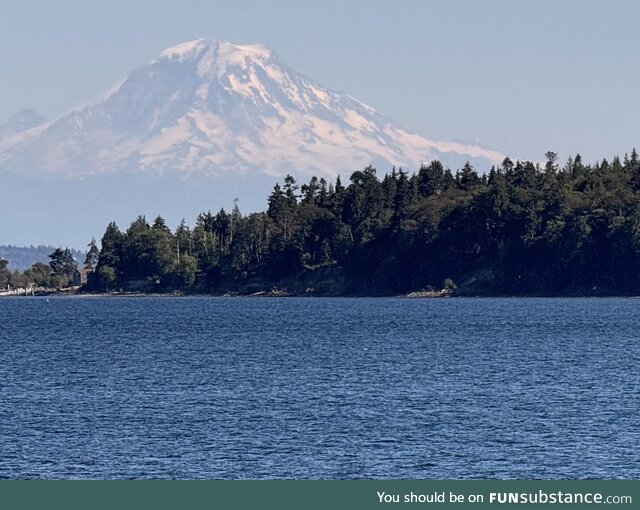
pixel 106 275
pixel 106 278
pixel 39 274
pixel 63 265
pixel 5 274
pixel 185 272
pixel 93 255
pixel 521 229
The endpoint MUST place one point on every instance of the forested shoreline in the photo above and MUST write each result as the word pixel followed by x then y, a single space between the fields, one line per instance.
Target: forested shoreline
pixel 521 229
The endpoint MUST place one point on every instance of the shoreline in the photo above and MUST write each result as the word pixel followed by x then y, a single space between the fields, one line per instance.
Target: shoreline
pixel 419 295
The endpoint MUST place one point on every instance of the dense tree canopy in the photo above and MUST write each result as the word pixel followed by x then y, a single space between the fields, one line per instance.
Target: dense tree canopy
pixel 523 228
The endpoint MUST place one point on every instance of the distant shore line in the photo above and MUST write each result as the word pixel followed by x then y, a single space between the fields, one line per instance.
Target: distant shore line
pixel 260 294
pixel 276 293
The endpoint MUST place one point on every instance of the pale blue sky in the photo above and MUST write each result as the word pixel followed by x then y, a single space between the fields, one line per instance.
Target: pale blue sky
pixel 521 77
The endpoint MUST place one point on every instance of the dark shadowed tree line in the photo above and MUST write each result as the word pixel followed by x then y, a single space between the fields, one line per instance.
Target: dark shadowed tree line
pixel 522 228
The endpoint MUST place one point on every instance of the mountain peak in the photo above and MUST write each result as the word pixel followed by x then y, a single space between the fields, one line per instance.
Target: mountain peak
pixel 223 50
pixel 183 51
pixel 213 107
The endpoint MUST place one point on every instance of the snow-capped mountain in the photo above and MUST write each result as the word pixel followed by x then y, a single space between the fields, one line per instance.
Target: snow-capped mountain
pixel 214 108
pixel 202 124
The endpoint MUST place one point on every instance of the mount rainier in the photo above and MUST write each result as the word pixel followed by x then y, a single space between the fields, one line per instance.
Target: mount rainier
pixel 202 124
pixel 215 108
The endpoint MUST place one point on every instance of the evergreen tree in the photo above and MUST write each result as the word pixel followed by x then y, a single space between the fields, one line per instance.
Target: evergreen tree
pixel 311 191
pixel 108 271
pixel 5 274
pixel 430 179
pixel 290 188
pixel 63 265
pixel 93 255
pixel 467 179
pixel 521 228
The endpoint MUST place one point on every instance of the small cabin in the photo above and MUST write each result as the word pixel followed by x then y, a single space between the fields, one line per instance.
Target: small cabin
pixel 80 277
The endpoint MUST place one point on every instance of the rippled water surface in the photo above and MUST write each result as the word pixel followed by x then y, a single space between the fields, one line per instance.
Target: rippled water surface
pixel 319 388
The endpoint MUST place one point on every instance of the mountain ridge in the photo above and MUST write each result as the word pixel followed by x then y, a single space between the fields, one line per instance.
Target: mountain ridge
pixel 212 107
pixel 203 123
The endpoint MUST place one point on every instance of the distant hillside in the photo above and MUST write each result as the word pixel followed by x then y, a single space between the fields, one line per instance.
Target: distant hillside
pixel 23 257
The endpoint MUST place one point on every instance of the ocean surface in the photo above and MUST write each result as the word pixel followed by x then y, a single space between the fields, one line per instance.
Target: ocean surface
pixel 96 387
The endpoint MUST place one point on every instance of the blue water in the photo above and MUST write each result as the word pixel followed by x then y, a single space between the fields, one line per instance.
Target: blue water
pixel 319 388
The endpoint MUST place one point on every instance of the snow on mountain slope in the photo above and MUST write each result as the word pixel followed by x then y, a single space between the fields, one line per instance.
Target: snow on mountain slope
pixel 214 108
